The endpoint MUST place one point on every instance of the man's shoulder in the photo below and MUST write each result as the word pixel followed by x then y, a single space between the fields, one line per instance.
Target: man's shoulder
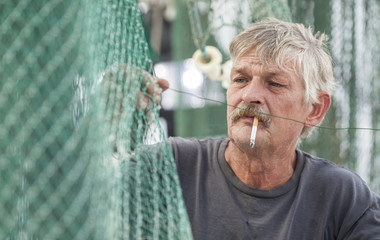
pixel 327 169
pixel 338 186
pixel 337 179
pixel 191 150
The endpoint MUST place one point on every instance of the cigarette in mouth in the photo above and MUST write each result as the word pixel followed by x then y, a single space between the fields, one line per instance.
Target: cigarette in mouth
pixel 253 133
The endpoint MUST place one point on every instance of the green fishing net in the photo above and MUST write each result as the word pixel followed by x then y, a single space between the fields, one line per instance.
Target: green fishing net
pixel 82 155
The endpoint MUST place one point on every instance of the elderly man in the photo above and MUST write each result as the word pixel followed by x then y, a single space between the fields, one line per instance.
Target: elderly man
pixel 282 75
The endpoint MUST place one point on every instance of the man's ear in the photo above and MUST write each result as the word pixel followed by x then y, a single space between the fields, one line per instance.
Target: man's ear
pixel 318 110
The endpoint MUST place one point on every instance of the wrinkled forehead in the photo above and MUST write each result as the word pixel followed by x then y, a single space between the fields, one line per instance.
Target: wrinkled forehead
pixel 267 61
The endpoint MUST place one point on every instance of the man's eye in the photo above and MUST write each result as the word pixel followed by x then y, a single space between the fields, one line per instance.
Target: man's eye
pixel 239 80
pixel 274 84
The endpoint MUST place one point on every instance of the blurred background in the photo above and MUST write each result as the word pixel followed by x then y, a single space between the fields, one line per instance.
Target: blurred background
pixel 175 29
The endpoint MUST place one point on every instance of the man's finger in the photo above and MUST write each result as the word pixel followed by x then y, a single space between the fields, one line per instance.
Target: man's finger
pixel 163 84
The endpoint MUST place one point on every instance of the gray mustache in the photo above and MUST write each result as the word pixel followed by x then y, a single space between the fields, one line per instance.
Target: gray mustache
pixel 250 111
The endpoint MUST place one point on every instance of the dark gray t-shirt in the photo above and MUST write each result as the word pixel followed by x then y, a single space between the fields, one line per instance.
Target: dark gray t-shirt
pixel 320 201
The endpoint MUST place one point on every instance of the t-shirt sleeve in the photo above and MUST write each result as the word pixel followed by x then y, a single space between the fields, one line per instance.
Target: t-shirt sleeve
pixel 353 209
pixel 182 149
pixel 368 225
pixel 187 154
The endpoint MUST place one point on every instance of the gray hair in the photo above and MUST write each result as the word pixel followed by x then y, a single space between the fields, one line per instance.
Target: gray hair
pixel 290 44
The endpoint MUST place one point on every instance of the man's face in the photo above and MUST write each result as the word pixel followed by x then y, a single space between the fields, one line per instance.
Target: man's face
pixel 269 90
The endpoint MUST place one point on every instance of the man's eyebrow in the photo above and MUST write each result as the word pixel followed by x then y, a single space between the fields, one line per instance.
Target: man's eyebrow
pixel 238 68
pixel 279 75
pixel 273 72
pixel 267 71
pixel 241 68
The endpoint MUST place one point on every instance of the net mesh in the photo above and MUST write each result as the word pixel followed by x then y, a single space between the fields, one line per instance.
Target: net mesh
pixel 82 155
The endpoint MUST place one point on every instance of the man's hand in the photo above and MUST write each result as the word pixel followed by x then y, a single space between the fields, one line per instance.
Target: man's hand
pixel 153 89
pixel 117 81
pixel 128 90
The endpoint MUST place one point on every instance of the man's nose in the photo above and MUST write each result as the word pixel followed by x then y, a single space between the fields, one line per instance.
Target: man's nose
pixel 253 92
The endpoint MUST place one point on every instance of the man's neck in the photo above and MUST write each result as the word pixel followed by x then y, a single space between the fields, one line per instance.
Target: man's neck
pixel 263 170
